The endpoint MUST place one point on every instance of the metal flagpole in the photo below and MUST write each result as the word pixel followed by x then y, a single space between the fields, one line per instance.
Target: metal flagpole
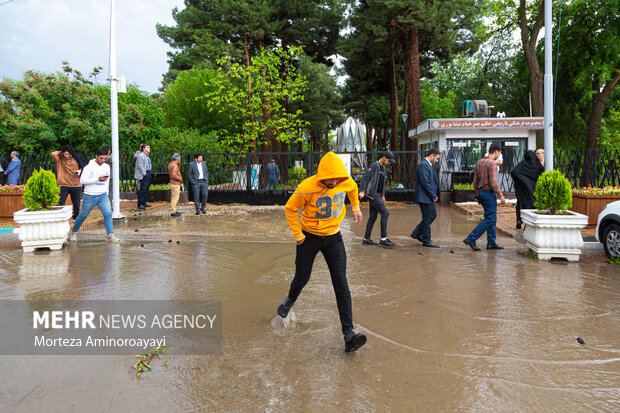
pixel 548 85
pixel 114 118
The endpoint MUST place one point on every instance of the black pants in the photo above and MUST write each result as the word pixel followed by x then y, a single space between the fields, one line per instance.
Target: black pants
pixel 201 194
pixel 376 208
pixel 76 194
pixel 429 213
pixel 143 192
pixel 335 255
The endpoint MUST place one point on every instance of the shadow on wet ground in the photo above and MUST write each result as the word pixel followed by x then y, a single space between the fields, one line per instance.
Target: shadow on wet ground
pixel 448 329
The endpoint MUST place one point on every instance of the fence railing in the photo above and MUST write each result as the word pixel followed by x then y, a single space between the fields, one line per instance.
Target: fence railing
pixel 246 171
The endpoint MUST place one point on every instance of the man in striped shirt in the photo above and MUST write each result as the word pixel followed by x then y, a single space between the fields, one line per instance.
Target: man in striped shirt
pixel 487 188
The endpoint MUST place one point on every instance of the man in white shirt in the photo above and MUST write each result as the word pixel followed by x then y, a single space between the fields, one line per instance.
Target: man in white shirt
pixel 95 180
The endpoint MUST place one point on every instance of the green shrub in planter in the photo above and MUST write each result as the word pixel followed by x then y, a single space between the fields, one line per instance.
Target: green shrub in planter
pixel 553 192
pixel 41 190
pixel 298 173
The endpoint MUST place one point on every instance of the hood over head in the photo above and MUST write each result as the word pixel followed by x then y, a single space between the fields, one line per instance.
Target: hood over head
pixel 331 167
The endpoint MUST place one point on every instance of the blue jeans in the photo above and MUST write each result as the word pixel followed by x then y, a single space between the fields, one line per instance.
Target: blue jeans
pixel 272 182
pixel 88 203
pixel 429 213
pixel 489 203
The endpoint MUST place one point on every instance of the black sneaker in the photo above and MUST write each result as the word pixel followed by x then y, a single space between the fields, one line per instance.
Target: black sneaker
pixel 494 247
pixel 471 244
pixel 386 243
pixel 285 307
pixel 368 241
pixel 353 341
pixel 416 237
pixel 175 214
pixel 197 212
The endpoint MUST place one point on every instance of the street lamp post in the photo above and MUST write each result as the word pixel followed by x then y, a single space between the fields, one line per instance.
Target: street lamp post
pixel 404 117
pixel 116 193
pixel 548 85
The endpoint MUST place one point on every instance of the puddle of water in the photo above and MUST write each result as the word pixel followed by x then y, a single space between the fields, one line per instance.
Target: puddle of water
pixel 448 329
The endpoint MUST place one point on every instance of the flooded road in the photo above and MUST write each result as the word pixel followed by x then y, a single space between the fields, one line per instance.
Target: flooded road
pixel 448 329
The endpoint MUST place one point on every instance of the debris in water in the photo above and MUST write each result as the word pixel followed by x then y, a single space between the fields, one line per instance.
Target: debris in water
pixel 419 253
pixel 135 230
pixel 143 364
pixel 451 251
pixel 169 240
pixel 580 340
pixel 142 245
pixel 178 242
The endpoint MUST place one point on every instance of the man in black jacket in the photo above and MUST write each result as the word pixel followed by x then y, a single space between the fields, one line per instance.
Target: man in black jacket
pixel 372 186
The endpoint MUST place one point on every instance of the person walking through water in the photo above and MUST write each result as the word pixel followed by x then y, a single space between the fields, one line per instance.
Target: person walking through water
pixel 426 189
pixel 487 189
pixel 69 166
pixel 95 177
pixel 372 186
pixel 322 198
pixel 525 175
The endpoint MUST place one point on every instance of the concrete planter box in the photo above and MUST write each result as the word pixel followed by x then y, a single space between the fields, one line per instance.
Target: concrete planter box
pixel 43 229
pixel 554 236
pixel 592 205
pixel 462 195
pixel 10 202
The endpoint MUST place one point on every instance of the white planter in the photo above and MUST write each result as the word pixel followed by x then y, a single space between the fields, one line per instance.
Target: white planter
pixel 43 229
pixel 554 236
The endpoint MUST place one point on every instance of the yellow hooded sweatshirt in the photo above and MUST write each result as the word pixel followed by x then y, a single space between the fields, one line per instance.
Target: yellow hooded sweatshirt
pixel 323 207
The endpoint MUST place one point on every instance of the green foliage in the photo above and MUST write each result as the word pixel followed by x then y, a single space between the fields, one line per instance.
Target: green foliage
pixel 208 31
pixel 43 112
pixel 321 107
pixel 378 113
pixel 436 106
pixel 41 190
pixel 257 95
pixel 184 110
pixel 463 187
pixel 553 192
pixel 298 173
pixel 173 140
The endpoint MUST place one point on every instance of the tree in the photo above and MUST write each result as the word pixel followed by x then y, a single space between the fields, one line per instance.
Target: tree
pixel 185 110
pixel 321 104
pixel 207 31
pixel 590 53
pixel 263 115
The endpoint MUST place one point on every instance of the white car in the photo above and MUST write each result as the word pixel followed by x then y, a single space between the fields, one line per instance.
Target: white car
pixel 608 229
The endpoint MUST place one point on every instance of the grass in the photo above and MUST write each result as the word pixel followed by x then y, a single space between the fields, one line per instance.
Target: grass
pixel 614 260
pixel 531 254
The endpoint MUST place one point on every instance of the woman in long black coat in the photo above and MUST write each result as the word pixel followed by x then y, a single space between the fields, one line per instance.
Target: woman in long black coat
pixel 525 175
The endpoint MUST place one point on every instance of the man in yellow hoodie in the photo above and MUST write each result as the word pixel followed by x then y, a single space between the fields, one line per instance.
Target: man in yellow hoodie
pixel 322 198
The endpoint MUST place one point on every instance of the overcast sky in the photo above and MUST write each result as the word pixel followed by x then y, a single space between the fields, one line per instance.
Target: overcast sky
pixel 41 34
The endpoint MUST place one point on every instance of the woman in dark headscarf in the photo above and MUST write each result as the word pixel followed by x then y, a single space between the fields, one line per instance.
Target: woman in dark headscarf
pixel 525 175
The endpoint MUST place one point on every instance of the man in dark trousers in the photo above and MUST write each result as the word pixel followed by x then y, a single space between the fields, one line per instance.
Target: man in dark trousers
pixel 69 167
pixel 426 195
pixel 372 186
pixel 143 174
pixel 487 189
pixel 273 175
pixel 321 197
pixel 198 175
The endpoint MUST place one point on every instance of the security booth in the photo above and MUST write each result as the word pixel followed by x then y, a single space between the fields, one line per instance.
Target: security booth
pixel 463 142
